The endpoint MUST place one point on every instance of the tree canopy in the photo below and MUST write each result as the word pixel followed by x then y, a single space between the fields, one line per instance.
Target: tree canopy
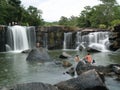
pixel 13 11
pixel 104 15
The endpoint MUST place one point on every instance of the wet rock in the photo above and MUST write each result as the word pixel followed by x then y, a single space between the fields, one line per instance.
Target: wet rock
pixel 116 69
pixel 38 54
pixel 82 67
pixel 26 51
pixel 94 49
pixel 66 63
pixel 89 80
pixel 71 71
pixel 65 55
pixel 108 70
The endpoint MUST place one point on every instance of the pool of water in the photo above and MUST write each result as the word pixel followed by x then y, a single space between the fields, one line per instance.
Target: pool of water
pixel 15 69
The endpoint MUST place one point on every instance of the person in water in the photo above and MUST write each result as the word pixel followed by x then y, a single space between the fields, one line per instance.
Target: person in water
pixel 77 59
pixel 88 58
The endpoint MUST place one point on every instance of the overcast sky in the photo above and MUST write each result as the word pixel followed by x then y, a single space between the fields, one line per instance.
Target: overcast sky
pixel 54 9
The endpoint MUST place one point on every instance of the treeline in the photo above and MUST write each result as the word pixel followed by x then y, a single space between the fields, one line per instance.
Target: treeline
pixel 104 15
pixel 12 12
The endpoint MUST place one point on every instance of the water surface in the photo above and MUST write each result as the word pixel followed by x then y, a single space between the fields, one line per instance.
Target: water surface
pixel 15 69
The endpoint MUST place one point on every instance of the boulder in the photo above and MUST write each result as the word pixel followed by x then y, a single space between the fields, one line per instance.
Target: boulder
pixel 65 55
pixel 31 86
pixel 89 80
pixel 66 63
pixel 71 71
pixel 38 54
pixel 105 70
pixel 82 67
pixel 26 51
pixel 94 47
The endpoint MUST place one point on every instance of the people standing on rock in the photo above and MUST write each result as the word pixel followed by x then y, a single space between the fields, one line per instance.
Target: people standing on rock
pixel 88 58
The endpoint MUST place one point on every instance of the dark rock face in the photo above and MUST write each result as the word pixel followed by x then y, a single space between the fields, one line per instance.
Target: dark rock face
pixel 53 36
pixel 89 80
pixel 3 38
pixel 38 54
pixel 115 38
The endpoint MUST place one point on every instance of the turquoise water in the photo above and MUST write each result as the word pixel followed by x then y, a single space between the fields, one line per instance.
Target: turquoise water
pixel 15 69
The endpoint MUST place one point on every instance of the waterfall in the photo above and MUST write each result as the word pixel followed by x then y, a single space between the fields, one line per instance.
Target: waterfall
pixel 20 38
pixel 79 41
pixel 96 40
pixel 67 40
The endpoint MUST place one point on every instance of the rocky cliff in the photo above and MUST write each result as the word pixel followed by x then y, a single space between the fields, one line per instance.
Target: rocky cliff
pixel 52 37
pixel 2 38
pixel 115 38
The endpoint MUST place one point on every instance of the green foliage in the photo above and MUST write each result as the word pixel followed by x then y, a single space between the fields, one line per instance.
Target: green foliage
pixel 102 26
pixel 72 21
pixel 63 21
pixel 103 13
pixel 115 22
pixel 51 23
pixel 13 11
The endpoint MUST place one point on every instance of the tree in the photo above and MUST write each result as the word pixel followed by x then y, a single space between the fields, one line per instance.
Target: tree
pixel 102 14
pixel 13 11
pixel 63 21
pixel 84 19
pixel 34 15
pixel 73 21
pixel 15 3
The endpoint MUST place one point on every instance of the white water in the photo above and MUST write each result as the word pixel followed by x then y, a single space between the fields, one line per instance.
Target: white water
pixel 96 40
pixel 99 41
pixel 17 38
pixel 67 40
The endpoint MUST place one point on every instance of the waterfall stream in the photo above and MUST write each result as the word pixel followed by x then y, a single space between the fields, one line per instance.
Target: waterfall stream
pixel 20 38
pixel 96 40
pixel 67 40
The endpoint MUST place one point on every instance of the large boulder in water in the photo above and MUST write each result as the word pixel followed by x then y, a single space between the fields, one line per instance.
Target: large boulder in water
pixel 38 54
pixel 89 80
pixel 107 70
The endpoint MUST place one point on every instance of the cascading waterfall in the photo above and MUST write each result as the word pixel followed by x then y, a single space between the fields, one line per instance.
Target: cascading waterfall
pixel 20 38
pixel 67 40
pixel 79 41
pixel 96 40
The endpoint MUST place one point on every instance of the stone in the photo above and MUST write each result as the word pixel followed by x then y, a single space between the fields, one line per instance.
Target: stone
pixel 38 54
pixel 89 80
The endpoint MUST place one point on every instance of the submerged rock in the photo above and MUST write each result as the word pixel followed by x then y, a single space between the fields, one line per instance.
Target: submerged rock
pixel 65 55
pixel 66 63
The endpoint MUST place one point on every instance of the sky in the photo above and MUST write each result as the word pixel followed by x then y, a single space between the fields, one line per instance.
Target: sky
pixel 54 9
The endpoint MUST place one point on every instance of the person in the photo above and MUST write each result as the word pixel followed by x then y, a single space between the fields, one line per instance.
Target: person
pixel 77 59
pixel 88 58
